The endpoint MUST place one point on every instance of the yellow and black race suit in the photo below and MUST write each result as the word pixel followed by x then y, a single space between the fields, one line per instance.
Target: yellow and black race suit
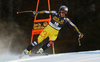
pixel 56 23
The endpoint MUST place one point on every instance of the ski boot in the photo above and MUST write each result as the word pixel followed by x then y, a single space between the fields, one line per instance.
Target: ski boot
pixel 25 52
pixel 40 51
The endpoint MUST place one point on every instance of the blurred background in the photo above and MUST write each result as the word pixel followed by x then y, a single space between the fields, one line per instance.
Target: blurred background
pixel 16 29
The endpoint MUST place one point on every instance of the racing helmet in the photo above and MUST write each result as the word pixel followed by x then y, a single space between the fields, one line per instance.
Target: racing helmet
pixel 63 9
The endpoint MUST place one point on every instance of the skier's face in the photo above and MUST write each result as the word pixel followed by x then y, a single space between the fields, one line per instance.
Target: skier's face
pixel 63 13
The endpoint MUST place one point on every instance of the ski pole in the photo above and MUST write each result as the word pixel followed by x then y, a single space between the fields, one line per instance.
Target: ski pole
pixel 24 12
pixel 79 41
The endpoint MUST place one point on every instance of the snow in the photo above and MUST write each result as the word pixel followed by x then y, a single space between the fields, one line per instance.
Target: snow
pixel 89 56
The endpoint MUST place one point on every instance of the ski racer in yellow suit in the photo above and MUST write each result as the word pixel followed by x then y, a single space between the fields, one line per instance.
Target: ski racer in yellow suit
pixel 57 21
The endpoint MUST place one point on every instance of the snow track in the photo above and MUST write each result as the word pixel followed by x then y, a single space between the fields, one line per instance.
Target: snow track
pixel 90 56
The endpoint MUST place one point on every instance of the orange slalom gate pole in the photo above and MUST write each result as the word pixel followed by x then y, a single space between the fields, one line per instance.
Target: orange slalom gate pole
pixel 32 29
pixel 49 8
pixel 50 18
pixel 53 48
pixel 36 8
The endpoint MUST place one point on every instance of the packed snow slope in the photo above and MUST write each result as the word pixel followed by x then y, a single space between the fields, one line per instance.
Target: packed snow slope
pixel 90 56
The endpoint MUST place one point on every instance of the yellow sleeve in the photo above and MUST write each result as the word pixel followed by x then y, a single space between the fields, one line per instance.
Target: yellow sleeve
pixel 44 11
pixel 40 12
pixel 47 12
pixel 74 26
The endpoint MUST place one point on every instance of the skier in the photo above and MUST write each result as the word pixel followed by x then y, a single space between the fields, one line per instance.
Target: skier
pixel 57 21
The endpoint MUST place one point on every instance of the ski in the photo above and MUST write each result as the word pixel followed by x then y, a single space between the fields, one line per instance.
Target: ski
pixel 21 55
pixel 35 54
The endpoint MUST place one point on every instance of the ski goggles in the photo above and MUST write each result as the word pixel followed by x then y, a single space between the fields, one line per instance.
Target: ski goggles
pixel 62 11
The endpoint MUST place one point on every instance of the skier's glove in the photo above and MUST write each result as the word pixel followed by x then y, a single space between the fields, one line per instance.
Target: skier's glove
pixel 35 13
pixel 80 35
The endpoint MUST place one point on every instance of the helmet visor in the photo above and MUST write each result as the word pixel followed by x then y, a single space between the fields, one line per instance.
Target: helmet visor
pixel 62 11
